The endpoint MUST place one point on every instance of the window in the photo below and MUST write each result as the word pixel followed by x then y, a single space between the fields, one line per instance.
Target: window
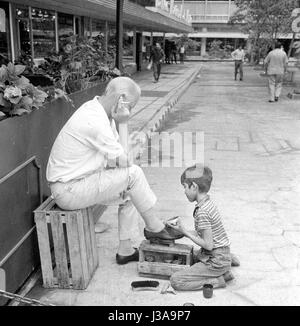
pixel 43 31
pixel 98 27
pixel 23 30
pixel 65 27
pixel 5 49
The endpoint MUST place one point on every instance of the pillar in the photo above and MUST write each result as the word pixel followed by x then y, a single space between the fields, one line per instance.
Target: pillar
pixel 106 37
pixel 203 42
pixel 119 36
pixel 134 45
pixel 203 46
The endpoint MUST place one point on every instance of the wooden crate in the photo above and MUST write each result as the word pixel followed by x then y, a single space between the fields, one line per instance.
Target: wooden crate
pixel 166 259
pixel 75 257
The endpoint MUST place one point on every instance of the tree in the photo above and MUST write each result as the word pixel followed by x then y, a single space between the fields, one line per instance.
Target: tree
pixel 264 21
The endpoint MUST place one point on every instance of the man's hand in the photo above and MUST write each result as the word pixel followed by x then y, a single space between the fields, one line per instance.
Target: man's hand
pixel 123 161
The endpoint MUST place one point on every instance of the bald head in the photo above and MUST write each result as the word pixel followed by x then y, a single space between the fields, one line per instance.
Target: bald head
pixel 124 86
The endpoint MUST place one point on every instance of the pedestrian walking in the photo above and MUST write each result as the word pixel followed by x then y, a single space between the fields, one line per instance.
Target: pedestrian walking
pixel 275 65
pixel 239 57
pixel 181 53
pixel 157 57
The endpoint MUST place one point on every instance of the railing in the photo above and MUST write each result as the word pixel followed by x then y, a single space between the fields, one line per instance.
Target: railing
pixel 210 18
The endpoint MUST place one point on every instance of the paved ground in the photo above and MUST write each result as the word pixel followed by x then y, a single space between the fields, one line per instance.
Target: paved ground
pixel 253 148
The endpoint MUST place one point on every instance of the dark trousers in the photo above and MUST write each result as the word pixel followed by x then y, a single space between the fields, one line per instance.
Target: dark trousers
pixel 156 70
pixel 238 69
pixel 174 57
pixel 181 57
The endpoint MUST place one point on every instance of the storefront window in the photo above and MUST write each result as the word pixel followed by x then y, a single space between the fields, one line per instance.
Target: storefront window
pixel 98 27
pixel 128 43
pixel 87 26
pixel 43 30
pixel 23 30
pixel 5 50
pixel 65 27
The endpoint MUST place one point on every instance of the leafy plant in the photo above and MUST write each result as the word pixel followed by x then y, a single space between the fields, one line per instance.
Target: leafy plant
pixel 80 63
pixel 17 95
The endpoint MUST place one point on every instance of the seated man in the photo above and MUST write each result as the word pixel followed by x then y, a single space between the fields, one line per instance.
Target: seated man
pixel 88 166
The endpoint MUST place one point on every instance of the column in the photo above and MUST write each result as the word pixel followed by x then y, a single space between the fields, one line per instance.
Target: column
pixel 203 46
pixel 119 36
pixel 134 45
pixel 203 42
pixel 106 36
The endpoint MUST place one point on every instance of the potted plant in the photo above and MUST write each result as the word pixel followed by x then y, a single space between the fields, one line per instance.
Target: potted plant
pixel 17 95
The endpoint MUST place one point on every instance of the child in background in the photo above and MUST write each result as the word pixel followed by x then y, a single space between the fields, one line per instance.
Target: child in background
pixel 214 261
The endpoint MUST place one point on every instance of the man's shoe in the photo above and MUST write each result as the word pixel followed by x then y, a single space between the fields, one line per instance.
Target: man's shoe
pixel 270 101
pixel 167 233
pixel 276 99
pixel 122 260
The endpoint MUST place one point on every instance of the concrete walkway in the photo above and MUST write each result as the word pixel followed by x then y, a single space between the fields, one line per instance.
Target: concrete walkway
pixel 253 148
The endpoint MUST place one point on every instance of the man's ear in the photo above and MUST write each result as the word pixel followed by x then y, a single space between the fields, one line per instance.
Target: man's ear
pixel 194 185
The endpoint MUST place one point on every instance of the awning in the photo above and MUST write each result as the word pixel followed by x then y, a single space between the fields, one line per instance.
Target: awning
pixel 134 14
pixel 218 35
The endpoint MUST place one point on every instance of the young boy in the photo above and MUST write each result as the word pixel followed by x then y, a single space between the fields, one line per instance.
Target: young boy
pixel 213 262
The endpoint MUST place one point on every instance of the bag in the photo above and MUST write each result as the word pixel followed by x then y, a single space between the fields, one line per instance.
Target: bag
pixel 150 65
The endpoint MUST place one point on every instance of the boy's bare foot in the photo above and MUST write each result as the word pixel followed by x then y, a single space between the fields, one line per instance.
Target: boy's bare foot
pixel 228 276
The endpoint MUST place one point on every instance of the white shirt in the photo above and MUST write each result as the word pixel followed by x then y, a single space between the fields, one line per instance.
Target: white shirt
pixel 238 55
pixel 182 49
pixel 83 145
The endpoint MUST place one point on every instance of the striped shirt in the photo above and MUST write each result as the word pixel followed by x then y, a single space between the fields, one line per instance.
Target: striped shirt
pixel 207 216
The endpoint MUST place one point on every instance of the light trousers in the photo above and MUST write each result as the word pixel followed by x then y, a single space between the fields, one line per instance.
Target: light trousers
pixel 210 268
pixel 275 86
pixel 126 187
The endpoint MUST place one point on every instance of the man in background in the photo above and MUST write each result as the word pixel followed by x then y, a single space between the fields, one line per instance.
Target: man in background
pixel 275 65
pixel 239 57
pixel 157 56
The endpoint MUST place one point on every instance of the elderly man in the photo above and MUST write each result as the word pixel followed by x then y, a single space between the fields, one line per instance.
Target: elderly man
pixel 88 166
pixel 275 65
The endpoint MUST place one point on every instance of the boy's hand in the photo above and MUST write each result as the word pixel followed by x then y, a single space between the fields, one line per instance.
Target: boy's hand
pixel 178 226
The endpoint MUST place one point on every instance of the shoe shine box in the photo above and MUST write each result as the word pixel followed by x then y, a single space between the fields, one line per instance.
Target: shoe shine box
pixel 161 261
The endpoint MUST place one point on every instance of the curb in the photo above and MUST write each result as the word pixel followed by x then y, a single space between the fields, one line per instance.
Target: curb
pixel 161 114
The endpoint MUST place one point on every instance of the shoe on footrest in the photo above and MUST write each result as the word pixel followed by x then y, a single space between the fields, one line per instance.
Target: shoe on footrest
pixel 167 233
pixel 122 260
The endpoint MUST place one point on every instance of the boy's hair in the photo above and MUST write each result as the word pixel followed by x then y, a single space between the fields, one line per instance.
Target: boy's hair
pixel 200 174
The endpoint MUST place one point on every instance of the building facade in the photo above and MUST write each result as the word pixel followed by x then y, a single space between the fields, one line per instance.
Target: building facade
pixel 210 22
pixel 38 27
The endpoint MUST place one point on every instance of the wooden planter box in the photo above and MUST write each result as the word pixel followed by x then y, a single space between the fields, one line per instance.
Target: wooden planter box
pixel 25 144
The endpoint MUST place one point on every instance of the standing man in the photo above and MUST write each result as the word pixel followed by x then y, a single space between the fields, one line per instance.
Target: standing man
pixel 275 65
pixel 157 56
pixel 239 57
pixel 181 53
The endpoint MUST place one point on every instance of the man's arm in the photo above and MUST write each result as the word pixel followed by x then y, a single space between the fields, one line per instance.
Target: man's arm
pixel 206 241
pixel 233 54
pixel 266 62
pixel 122 161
